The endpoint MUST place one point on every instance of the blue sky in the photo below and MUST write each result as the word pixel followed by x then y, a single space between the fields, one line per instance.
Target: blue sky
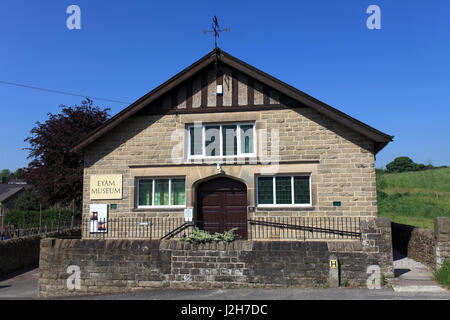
pixel 395 79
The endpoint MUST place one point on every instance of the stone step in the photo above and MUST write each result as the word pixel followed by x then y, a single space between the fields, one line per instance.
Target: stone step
pixel 415 274
pixel 409 285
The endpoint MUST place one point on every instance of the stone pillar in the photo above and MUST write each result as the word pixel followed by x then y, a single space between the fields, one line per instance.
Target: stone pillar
pixel 333 276
pixel 442 232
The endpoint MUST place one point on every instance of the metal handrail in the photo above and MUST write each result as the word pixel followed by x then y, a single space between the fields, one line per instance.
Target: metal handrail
pixel 177 230
pixel 304 228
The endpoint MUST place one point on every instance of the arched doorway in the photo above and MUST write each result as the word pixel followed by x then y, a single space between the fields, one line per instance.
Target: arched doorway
pixel 222 205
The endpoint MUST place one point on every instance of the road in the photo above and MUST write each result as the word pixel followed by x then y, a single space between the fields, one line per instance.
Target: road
pixel 24 286
pixel 20 286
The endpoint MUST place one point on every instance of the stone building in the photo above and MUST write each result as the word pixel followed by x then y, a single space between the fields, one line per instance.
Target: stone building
pixel 229 144
pixel 224 145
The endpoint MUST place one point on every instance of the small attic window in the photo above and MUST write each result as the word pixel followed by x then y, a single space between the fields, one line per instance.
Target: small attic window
pixel 219 89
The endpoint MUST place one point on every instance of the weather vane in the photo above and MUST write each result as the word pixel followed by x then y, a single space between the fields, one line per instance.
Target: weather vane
pixel 216 30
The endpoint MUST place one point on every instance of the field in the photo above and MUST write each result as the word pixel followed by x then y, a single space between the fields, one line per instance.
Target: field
pixel 414 198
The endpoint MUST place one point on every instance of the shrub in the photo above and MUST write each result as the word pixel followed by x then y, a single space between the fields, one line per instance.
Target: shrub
pixel 442 275
pixel 202 236
pixel 381 182
pixel 26 201
pixel 381 196
pixel 24 218
pixel 401 164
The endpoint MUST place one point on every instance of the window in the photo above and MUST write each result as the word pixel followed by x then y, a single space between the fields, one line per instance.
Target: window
pixel 216 140
pixel 284 190
pixel 161 192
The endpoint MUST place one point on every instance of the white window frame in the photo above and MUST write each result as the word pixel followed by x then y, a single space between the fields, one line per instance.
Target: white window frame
pixel 274 204
pixel 170 205
pixel 239 154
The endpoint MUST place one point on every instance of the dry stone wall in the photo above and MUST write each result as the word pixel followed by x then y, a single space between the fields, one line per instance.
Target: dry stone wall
pixel 430 247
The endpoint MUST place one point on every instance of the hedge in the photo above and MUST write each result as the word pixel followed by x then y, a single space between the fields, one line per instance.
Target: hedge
pixel 31 218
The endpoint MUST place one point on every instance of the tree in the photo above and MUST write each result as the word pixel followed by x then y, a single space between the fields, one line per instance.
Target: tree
pixel 27 201
pixel 56 175
pixel 19 173
pixel 5 175
pixel 401 164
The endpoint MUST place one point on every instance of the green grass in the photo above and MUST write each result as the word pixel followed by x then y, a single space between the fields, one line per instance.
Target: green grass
pixel 414 198
pixel 442 275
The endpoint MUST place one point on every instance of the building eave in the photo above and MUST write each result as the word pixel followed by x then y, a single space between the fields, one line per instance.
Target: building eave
pixel 380 139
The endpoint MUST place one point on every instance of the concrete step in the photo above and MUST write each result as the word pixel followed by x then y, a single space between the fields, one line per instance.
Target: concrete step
pixel 416 285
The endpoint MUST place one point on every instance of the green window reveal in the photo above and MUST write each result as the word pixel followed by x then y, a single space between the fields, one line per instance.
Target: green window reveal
pixel 212 141
pixel 229 140
pixel 196 140
pixel 289 190
pixel 145 192
pixel 301 190
pixel 283 190
pixel 247 139
pixel 215 140
pixel 178 192
pixel 161 192
pixel 265 190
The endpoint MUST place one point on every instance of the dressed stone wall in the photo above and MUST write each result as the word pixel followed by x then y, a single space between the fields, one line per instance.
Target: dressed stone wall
pixel 108 266
pixel 340 161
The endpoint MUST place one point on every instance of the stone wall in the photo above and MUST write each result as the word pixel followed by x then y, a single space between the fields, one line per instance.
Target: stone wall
pixel 108 266
pixel 430 247
pixel 21 253
pixel 442 231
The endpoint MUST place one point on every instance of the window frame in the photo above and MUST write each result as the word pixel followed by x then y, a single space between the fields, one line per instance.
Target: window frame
pixel 274 204
pixel 239 154
pixel 138 206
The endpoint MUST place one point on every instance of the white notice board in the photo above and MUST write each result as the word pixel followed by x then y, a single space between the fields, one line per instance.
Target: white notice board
pixel 98 217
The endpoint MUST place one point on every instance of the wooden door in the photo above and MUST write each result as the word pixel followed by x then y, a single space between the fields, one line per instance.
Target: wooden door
pixel 222 205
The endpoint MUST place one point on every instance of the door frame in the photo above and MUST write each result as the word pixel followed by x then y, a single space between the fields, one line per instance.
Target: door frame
pixel 196 196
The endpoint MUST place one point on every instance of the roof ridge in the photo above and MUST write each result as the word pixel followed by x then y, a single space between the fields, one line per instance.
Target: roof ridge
pixel 377 136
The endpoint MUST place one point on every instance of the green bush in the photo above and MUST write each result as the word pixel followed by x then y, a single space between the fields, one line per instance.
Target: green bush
pixel 442 275
pixel 202 236
pixel 381 196
pixel 381 182
pixel 414 198
pixel 31 218
pixel 27 201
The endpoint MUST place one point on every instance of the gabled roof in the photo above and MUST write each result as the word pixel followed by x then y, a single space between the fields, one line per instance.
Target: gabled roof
pixel 9 190
pixel 380 139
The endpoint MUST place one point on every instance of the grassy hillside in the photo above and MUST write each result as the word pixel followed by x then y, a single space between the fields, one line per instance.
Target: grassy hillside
pixel 414 198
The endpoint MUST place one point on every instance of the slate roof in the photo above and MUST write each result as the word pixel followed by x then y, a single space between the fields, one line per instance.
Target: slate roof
pixel 380 139
pixel 9 190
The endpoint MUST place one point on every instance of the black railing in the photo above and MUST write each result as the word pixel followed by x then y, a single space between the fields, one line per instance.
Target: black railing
pixel 20 231
pixel 304 228
pixel 261 228
pixel 132 227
